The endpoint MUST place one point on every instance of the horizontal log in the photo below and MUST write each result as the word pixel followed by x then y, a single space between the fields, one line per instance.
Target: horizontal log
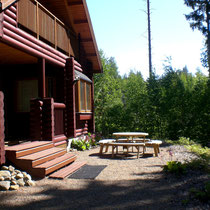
pixel 11 14
pixel 59 143
pixel 31 44
pixel 59 138
pixel 29 50
pixel 85 117
pixel 34 40
pixel 79 130
pixel 78 134
pixel 78 68
pixel 13 9
pixel 59 105
pixel 10 20
pixel 77 64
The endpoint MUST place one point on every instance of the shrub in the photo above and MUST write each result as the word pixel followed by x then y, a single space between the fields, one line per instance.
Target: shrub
pixel 203 194
pixel 82 144
pixel 175 167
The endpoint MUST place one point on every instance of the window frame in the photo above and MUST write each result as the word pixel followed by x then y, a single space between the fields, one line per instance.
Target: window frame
pixel 86 110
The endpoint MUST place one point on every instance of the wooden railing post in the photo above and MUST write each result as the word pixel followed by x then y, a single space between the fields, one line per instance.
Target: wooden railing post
pixel 70 99
pixel 36 119
pixel 2 147
pixel 48 119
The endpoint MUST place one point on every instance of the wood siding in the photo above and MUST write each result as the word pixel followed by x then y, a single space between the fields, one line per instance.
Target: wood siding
pixel 2 149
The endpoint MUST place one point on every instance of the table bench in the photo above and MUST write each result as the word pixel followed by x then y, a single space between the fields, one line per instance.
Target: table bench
pixel 105 143
pixel 127 145
pixel 155 144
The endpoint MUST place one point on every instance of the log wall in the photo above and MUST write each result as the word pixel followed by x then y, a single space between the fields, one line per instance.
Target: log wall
pixel 2 149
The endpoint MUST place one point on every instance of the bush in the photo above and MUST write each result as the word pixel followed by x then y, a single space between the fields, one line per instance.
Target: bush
pixel 84 143
pixel 200 163
pixel 175 167
pixel 203 194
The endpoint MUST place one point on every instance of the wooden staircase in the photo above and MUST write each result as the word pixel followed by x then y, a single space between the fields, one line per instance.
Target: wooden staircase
pixel 41 158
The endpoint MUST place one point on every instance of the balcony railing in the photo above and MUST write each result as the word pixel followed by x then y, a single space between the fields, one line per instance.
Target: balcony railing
pixel 43 24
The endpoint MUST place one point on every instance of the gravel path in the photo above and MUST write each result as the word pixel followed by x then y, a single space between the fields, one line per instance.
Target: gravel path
pixel 126 183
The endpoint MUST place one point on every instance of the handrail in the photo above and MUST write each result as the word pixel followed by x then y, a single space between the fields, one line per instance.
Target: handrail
pixel 53 36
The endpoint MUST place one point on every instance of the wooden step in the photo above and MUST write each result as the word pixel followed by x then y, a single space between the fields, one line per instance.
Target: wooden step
pixel 64 172
pixel 27 148
pixel 43 156
pixel 50 166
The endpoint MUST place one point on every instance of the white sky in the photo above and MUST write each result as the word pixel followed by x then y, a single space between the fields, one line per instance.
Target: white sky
pixel 120 28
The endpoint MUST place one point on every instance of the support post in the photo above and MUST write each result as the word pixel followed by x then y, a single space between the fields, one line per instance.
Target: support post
pixel 70 99
pixel 48 119
pixel 42 85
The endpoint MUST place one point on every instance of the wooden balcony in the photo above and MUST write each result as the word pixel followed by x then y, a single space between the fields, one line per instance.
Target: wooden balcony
pixel 40 22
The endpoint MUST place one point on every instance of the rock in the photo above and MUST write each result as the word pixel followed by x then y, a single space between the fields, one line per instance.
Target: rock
pixel 20 182
pixel 8 178
pixel 17 171
pixel 5 173
pixel 14 187
pixel 4 168
pixel 4 185
pixel 30 183
pixel 12 179
pixel 26 177
pixel 13 182
pixel 19 176
pixel 11 168
pixel 24 173
pixel 13 173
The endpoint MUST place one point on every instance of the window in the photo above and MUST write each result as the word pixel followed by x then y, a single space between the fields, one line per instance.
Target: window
pixel 25 91
pixel 83 96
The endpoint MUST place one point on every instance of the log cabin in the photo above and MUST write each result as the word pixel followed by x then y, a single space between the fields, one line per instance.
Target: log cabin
pixel 48 55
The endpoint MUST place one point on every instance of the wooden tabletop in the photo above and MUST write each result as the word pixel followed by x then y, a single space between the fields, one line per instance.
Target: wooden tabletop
pixel 131 134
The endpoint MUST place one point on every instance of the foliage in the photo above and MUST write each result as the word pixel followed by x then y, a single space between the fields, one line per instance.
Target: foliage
pixel 199 19
pixel 167 107
pixel 203 154
pixel 201 194
pixel 85 143
pixel 175 167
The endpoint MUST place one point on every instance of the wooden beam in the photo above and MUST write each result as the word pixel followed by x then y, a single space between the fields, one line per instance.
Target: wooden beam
pixel 42 85
pixel 7 3
pixel 90 54
pixel 76 3
pixel 81 21
pixel 86 40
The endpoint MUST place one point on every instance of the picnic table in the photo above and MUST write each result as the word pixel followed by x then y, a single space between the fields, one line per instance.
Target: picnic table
pixel 129 141
pixel 130 135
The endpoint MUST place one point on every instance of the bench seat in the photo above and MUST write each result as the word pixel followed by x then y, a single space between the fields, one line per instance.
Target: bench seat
pixel 105 143
pixel 127 145
pixel 155 144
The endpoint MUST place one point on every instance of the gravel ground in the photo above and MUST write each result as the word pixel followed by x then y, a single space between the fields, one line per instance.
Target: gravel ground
pixel 126 183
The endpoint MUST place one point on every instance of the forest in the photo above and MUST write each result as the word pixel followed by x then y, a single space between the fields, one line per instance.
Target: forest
pixel 175 104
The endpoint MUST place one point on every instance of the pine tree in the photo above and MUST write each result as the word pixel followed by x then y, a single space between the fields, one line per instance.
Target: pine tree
pixel 199 19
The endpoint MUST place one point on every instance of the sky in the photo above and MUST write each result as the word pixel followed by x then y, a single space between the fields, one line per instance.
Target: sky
pixel 120 28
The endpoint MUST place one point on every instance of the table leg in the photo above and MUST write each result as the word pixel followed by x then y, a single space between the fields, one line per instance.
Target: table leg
pixel 107 147
pixel 112 151
pixel 137 147
pixel 155 150
pixel 101 149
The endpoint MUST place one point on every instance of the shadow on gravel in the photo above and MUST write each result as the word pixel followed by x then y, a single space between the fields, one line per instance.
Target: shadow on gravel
pixel 155 193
